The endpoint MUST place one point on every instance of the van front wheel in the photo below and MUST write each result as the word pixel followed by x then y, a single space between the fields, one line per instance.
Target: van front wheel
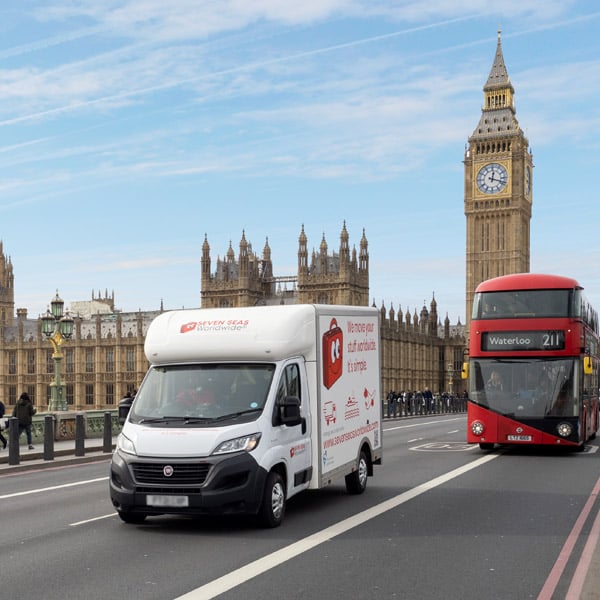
pixel 356 482
pixel 272 509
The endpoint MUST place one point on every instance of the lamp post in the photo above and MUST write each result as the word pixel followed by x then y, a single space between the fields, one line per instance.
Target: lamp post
pixel 450 371
pixel 58 328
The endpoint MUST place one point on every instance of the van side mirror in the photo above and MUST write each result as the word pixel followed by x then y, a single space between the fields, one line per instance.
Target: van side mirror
pixel 124 406
pixel 289 411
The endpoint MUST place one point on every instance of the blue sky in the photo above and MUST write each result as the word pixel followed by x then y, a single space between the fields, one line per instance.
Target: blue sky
pixel 130 129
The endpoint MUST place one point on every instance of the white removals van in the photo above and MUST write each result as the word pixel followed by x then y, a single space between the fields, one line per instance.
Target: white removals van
pixel 242 408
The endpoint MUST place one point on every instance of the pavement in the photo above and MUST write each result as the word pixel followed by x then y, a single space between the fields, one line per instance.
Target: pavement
pixel 64 454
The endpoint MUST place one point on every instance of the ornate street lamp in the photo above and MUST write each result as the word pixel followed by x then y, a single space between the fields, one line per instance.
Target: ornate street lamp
pixel 58 329
pixel 450 371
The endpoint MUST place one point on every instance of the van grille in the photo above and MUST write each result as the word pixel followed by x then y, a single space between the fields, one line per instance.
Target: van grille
pixel 183 473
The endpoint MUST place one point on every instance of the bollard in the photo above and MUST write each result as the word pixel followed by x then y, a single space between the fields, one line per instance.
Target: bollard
pixel 48 437
pixel 14 457
pixel 79 435
pixel 107 440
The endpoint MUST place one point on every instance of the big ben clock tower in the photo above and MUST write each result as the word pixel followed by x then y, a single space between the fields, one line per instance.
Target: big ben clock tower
pixel 498 186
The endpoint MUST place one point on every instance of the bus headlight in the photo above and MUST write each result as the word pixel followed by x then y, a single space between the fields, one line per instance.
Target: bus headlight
pixel 477 427
pixel 564 429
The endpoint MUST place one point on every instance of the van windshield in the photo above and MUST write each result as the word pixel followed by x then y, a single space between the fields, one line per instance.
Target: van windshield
pixel 202 393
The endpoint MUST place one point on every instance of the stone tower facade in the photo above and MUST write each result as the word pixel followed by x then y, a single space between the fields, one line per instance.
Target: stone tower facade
pixel 341 278
pixel 498 187
pixel 7 289
pixel 248 280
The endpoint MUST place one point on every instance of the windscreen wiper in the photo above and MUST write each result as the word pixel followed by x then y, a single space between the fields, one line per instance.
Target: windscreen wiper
pixel 237 414
pixel 167 419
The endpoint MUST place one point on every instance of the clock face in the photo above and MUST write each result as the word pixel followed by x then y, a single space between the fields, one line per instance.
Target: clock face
pixel 527 181
pixel 492 178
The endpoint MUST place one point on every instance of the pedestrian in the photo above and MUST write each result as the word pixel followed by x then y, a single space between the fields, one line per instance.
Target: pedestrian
pixel 2 411
pixel 428 400
pixel 419 402
pixel 24 411
pixel 391 409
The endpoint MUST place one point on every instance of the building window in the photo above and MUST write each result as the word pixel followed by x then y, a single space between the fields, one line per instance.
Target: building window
pixel 30 362
pixel 30 389
pixel 110 393
pixel 12 394
pixel 89 394
pixel 89 360
pixel 70 394
pixel 12 362
pixel 49 362
pixel 110 360
pixel 69 361
pixel 130 359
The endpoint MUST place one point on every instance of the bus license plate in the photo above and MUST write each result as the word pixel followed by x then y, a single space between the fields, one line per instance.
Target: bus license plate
pixel 519 438
pixel 161 500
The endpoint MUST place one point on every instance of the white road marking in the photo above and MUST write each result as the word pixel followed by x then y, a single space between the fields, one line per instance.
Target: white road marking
pixel 92 520
pixel 52 488
pixel 421 423
pixel 233 579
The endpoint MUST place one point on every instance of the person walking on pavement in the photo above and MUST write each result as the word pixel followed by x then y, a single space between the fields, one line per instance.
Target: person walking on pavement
pixel 24 411
pixel 2 411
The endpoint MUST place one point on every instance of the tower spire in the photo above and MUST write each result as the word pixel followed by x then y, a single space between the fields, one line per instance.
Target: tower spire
pixel 498 77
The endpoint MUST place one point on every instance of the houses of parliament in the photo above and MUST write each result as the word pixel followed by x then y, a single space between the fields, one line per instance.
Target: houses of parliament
pixel 105 358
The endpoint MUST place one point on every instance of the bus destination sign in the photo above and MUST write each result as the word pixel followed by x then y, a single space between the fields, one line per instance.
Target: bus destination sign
pixel 511 341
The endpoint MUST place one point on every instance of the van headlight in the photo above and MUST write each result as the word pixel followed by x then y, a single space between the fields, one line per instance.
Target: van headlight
pixel 245 443
pixel 564 429
pixel 124 444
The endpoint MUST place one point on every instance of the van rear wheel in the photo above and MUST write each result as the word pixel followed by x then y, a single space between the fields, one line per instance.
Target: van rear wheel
pixel 356 482
pixel 272 509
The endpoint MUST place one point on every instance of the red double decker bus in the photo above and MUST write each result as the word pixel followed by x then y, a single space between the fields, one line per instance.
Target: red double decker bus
pixel 533 363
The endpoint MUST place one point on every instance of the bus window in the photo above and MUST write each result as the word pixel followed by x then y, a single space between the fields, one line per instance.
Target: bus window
pixel 522 304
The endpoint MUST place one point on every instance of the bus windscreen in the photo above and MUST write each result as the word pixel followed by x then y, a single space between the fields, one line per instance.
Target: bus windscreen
pixel 526 388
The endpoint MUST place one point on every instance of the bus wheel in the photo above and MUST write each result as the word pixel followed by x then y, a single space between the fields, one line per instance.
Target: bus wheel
pixel 356 482
pixel 272 509
pixel 486 445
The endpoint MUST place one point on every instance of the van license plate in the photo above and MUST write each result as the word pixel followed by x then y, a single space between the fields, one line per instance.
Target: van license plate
pixel 519 438
pixel 179 501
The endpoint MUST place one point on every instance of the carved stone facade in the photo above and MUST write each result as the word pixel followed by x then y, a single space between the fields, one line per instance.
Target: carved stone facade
pixel 102 361
pixel 498 186
pixel 341 278
pixel 7 289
